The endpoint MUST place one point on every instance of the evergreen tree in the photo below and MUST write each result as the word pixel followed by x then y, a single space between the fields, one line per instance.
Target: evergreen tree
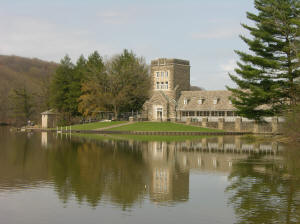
pixel 76 79
pixel 94 97
pixel 61 97
pixel 266 77
pixel 121 84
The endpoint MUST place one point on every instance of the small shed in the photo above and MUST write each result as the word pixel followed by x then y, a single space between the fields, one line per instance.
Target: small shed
pixel 49 119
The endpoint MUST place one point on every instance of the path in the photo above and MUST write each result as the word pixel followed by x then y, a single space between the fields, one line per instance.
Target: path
pixel 113 126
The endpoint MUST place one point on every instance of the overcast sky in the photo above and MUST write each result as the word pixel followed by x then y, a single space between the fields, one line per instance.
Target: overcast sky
pixel 205 32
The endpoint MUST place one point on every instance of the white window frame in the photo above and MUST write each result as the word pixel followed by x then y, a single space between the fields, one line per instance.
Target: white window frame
pixel 185 101
pixel 215 101
pixel 200 101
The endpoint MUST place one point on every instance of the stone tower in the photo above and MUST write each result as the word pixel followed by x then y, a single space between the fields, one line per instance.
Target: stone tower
pixel 169 77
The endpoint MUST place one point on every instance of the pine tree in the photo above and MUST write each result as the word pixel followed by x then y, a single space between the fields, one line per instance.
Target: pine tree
pixel 75 82
pixel 60 89
pixel 266 77
pixel 94 97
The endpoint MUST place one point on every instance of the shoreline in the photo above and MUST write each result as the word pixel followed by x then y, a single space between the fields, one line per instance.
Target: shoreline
pixel 165 133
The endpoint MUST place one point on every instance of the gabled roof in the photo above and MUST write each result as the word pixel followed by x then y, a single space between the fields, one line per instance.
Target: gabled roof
pixel 223 103
pixel 159 97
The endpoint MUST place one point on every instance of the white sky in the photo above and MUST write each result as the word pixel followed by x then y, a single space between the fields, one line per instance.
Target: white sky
pixel 202 31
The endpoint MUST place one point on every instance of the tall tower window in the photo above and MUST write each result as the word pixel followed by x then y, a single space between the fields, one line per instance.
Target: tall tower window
pixel 162 74
pixel 167 85
pixel 162 85
pixel 157 85
pixel 167 74
pixel 157 74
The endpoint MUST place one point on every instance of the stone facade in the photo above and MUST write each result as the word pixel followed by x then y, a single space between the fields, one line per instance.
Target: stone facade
pixel 168 77
pixel 171 98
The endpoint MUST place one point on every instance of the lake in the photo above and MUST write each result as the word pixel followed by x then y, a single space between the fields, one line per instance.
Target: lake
pixel 53 178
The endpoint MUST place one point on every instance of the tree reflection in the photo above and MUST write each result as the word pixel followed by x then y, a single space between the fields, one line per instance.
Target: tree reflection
pixel 268 193
pixel 122 172
pixel 93 170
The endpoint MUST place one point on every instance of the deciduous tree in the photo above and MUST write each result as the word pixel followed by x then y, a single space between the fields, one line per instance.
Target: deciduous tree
pixel 22 103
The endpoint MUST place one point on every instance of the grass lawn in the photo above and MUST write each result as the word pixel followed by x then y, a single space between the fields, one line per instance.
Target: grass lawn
pixel 161 126
pixel 95 125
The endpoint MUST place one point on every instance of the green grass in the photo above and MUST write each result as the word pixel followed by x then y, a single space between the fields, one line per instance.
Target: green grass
pixel 95 125
pixel 162 126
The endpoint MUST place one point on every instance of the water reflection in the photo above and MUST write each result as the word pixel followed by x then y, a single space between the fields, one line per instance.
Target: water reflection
pixel 264 192
pixel 263 178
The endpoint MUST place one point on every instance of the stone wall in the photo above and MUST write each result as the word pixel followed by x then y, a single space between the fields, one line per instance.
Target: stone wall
pixel 274 126
pixel 181 78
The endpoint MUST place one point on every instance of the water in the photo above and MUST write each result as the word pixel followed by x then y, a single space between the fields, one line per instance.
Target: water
pixel 45 178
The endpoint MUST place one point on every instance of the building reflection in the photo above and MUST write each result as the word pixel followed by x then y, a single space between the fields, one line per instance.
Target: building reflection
pixel 169 164
pixel 167 182
pixel 44 136
pixel 123 171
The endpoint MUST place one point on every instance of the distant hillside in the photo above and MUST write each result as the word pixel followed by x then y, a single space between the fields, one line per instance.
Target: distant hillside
pixel 19 72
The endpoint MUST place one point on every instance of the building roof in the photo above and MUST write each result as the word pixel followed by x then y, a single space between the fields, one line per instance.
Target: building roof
pixel 169 61
pixel 208 98
pixel 47 112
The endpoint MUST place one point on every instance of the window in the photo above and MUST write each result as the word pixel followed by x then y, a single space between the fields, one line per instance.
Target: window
pixel 192 113
pixel 201 101
pixel 157 74
pixel 216 101
pixel 157 85
pixel 167 85
pixel 167 74
pixel 229 113
pixel 184 113
pixel 185 101
pixel 221 113
pixel 230 102
pixel 162 74
pixel 162 85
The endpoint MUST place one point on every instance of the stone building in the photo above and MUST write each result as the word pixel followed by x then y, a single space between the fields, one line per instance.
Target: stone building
pixel 171 98
pixel 49 119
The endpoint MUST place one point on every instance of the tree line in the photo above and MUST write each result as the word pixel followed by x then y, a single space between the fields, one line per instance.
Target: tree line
pixel 93 85
pixel 84 89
